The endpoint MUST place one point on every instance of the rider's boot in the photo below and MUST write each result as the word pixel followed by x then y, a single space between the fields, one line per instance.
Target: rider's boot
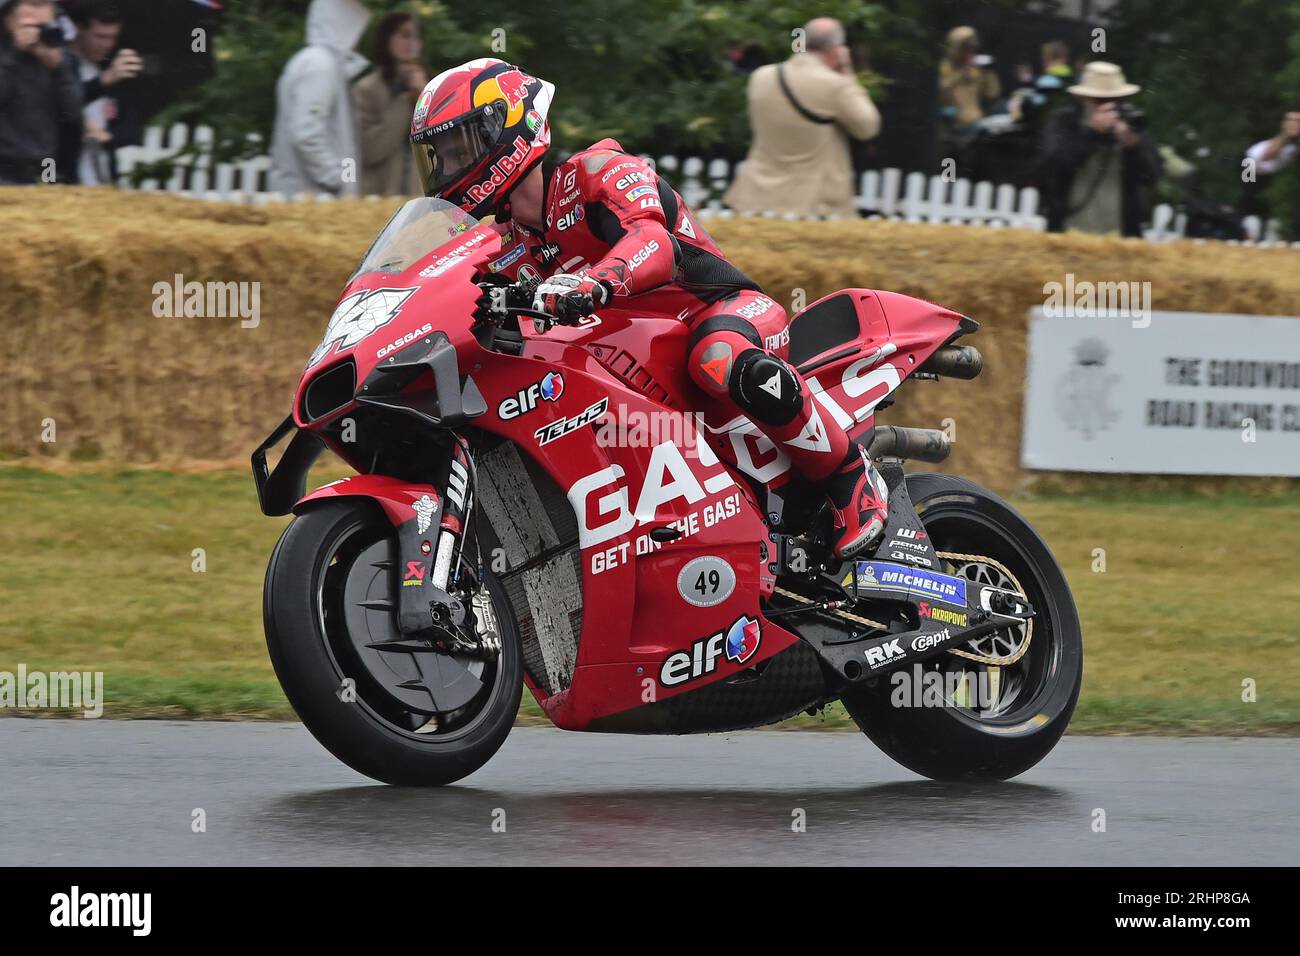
pixel 777 399
pixel 859 503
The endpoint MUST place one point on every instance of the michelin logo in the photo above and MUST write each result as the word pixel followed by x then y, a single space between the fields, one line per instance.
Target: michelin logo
pixel 912 581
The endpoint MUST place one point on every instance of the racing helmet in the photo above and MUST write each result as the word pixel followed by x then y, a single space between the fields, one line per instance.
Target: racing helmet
pixel 477 131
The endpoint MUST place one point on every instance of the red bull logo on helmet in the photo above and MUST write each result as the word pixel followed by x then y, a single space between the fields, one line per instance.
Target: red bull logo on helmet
pixel 514 85
pixel 499 172
pixel 511 86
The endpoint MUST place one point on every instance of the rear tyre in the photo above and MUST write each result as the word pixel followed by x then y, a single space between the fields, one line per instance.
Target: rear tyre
pixel 323 561
pixel 1016 724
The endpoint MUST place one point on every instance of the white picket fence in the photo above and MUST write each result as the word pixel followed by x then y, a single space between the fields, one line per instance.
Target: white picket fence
pixel 889 193
pixel 886 192
pixel 194 175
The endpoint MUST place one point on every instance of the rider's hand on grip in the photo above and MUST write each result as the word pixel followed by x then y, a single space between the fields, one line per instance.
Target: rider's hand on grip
pixel 570 298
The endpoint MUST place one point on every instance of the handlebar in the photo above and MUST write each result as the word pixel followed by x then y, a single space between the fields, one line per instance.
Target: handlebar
pixel 542 320
pixel 531 314
pixel 494 316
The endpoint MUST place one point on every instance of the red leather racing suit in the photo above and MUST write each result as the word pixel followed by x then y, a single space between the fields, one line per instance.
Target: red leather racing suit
pixel 609 216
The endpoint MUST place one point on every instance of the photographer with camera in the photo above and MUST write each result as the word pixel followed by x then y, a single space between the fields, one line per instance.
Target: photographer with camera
pixel 972 116
pixel 1096 158
pixel 88 146
pixel 39 90
pixel 1273 155
pixel 967 84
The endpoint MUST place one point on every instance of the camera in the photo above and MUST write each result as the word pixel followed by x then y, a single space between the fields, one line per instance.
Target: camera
pixel 1134 117
pixel 52 35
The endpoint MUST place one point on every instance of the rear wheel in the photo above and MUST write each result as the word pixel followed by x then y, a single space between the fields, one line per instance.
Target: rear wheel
pixel 994 720
pixel 327 603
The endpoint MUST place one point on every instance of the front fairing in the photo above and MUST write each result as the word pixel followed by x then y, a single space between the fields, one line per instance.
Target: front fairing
pixel 410 293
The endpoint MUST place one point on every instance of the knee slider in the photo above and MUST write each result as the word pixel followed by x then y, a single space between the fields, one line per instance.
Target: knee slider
pixel 766 388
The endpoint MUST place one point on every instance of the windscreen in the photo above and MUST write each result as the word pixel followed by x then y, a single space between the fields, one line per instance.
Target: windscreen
pixel 418 228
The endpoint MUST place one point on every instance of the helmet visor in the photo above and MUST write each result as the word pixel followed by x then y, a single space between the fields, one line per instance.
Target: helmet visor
pixel 443 157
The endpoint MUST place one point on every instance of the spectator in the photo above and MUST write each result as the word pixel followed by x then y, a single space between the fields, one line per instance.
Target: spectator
pixel 384 101
pixel 314 146
pixel 1095 161
pixel 966 87
pixel 748 58
pixel 88 145
pixel 39 90
pixel 1057 73
pixel 1044 94
pixel 803 113
pixel 1273 155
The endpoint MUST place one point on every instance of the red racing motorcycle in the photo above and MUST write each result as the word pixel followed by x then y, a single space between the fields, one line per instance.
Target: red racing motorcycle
pixel 538 504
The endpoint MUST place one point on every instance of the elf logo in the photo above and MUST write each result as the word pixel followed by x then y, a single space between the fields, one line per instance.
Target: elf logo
pixel 738 643
pixel 570 218
pixel 742 640
pixel 549 389
pixel 883 654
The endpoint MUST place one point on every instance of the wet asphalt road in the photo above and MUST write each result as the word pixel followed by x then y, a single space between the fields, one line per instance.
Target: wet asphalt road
pixel 108 793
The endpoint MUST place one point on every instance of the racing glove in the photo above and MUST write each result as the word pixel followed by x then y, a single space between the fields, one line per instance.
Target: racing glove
pixel 569 297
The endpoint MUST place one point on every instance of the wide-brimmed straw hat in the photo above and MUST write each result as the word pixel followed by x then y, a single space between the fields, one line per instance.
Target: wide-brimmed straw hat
pixel 1103 81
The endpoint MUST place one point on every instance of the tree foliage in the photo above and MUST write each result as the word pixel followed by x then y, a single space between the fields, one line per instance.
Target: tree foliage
pixel 653 72
pixel 1216 78
pixel 657 74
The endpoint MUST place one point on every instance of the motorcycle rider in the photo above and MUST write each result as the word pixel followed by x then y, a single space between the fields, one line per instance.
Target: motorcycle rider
pixel 607 229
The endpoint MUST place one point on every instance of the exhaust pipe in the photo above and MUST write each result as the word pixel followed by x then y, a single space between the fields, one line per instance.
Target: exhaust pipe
pixel 919 444
pixel 955 361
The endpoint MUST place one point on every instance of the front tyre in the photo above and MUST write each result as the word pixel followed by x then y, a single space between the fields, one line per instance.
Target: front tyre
pixel 327 586
pixel 995 722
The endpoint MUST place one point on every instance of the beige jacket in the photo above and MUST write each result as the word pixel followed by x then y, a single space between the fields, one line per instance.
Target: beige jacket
pixel 384 121
pixel 967 91
pixel 796 165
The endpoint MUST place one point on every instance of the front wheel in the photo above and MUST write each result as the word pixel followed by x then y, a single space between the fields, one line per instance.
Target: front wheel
pixel 969 719
pixel 327 604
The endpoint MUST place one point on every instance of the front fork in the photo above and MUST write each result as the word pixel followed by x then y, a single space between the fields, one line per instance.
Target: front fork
pixel 459 500
pixel 429 550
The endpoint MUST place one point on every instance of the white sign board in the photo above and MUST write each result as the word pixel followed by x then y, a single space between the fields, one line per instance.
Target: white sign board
pixel 1189 393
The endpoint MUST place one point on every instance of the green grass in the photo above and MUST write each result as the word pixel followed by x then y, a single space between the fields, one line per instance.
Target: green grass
pixel 1198 594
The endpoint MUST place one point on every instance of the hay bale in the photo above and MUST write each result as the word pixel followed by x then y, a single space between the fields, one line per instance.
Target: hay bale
pixel 82 345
